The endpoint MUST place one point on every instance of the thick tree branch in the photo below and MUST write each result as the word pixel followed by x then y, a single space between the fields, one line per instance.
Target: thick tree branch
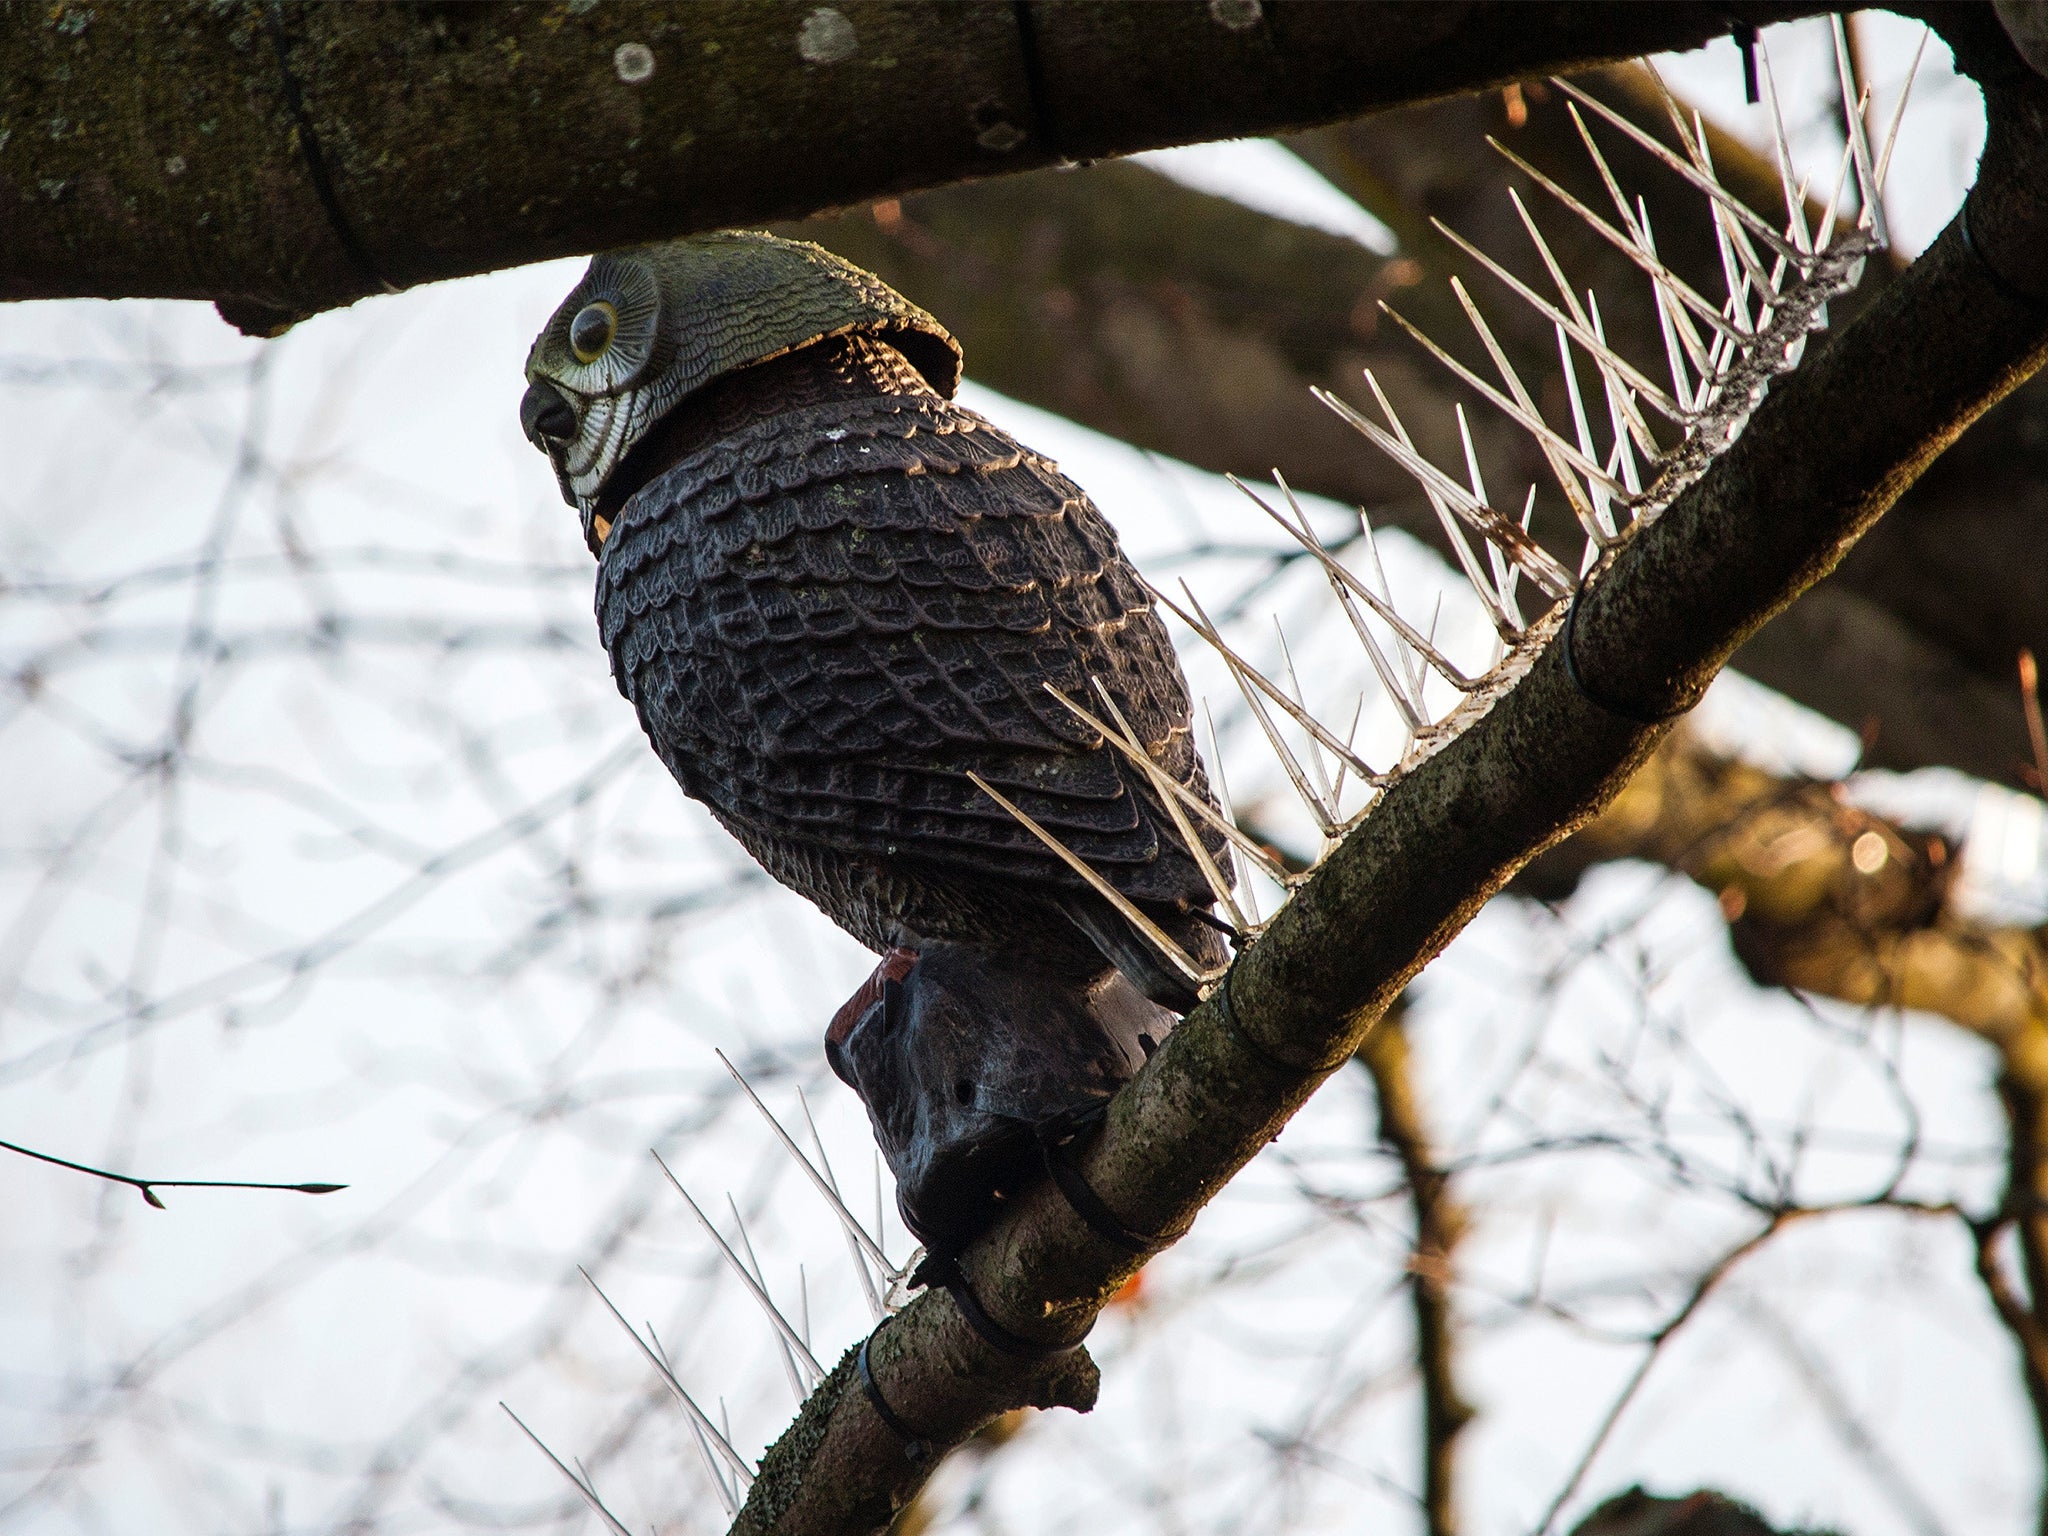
pixel 1823 457
pixel 283 157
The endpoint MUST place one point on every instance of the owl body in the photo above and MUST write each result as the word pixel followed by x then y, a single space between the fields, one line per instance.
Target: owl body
pixel 846 593
pixel 835 600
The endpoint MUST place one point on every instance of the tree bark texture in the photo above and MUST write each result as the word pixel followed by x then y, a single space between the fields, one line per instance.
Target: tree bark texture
pixel 1194 326
pixel 282 157
pixel 1823 457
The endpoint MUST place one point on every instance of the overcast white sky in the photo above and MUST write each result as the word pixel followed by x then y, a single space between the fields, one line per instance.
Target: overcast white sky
pixel 420 913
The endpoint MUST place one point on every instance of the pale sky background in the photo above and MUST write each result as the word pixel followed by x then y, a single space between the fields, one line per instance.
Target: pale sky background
pixel 395 675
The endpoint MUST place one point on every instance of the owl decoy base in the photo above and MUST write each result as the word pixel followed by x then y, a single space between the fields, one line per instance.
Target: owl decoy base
pixel 835 599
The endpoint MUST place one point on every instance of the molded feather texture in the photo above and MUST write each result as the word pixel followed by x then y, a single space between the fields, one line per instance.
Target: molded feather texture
pixel 831 616
pixel 962 1060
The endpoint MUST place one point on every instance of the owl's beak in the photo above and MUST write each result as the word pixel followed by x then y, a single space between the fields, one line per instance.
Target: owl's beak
pixel 545 417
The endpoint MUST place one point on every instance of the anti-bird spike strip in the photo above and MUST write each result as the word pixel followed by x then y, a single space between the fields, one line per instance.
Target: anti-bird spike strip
pixel 698 1418
pixel 860 1243
pixel 1722 357
pixel 782 1325
pixel 582 1487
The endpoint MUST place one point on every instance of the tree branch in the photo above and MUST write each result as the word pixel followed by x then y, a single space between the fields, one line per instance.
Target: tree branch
pixel 1823 457
pixel 283 157
pixel 1439 1225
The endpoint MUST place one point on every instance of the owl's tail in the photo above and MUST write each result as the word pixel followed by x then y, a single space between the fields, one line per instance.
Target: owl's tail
pixel 1139 958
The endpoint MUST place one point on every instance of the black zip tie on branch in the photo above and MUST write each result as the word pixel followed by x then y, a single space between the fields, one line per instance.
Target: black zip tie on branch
pixel 316 159
pixel 1057 1138
pixel 944 1269
pixel 149 1187
pixel 2035 301
pixel 1234 1027
pixel 1613 706
pixel 915 1447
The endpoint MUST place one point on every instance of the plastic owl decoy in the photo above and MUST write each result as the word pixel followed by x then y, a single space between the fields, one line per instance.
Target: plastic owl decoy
pixel 836 600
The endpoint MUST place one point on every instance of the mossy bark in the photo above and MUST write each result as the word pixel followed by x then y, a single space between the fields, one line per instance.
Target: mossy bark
pixel 284 157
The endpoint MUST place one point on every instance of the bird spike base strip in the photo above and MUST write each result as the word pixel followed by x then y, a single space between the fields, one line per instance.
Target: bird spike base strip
pixel 1720 357
pixel 1659 437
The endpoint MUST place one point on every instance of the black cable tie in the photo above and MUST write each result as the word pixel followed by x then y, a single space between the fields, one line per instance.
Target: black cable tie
pixel 1999 280
pixel 1055 1138
pixel 917 1449
pixel 315 158
pixel 944 1269
pixel 1745 39
pixel 1613 707
pixel 1227 1010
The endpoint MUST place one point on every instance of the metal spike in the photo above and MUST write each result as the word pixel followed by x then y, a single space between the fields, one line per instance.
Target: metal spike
pixel 1828 216
pixel 1242 847
pixel 729 1489
pixel 1853 108
pixel 1528 516
pixel 754 1287
pixel 1605 355
pixel 1301 717
pixel 1175 956
pixel 1300 695
pixel 1884 159
pixel 1163 784
pixel 1416 677
pixel 588 1494
pixel 1341 581
pixel 1379 578
pixel 1448 519
pixel 1561 455
pixel 1781 150
pixel 1681 318
pixel 1522 415
pixel 1699 150
pixel 1325 816
pixel 1674 355
pixel 721 1441
pixel 727 1499
pixel 1738 280
pixel 1503 573
pixel 881 1216
pixel 797 1386
pixel 1660 274
pixel 1622 379
pixel 710 1437
pixel 1621 414
pixel 1440 506
pixel 1185 796
pixel 1602 501
pixel 1706 184
pixel 1637 223
pixel 1727 227
pixel 1694 147
pixel 1540 564
pixel 850 1229
pixel 824 1183
pixel 1357 716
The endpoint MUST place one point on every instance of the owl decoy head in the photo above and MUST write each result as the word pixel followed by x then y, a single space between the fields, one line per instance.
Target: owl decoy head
pixel 650 325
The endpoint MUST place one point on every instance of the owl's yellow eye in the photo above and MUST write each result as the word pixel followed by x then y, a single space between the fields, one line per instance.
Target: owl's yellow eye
pixel 591 332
